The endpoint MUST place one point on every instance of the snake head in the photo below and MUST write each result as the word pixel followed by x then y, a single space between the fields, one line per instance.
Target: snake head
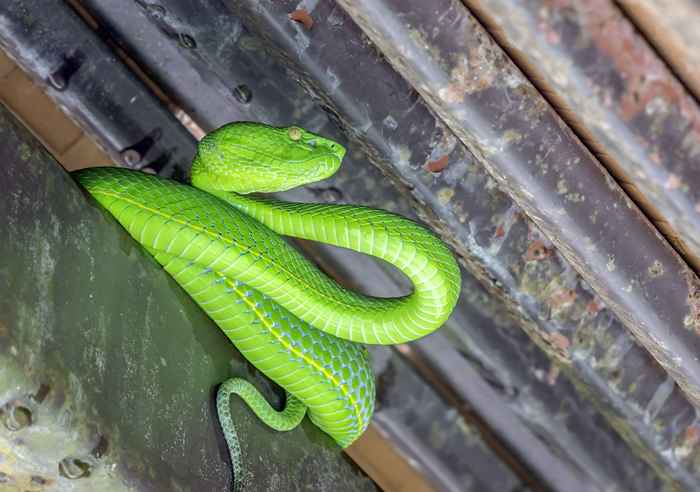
pixel 247 157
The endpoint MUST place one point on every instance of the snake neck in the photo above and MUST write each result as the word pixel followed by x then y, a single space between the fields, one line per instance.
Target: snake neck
pixel 416 252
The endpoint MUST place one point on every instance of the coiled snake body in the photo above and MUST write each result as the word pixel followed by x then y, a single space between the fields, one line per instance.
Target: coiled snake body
pixel 284 315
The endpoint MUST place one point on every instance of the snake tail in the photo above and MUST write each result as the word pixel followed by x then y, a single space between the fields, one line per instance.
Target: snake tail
pixel 287 419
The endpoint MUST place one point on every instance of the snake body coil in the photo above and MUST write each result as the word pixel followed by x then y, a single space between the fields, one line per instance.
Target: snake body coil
pixel 283 314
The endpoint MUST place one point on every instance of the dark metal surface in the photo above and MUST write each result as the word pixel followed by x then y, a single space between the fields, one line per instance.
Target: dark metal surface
pixel 220 77
pixel 204 58
pixel 672 27
pixel 115 364
pixel 469 444
pixel 425 427
pixel 524 145
pixel 503 248
pixel 49 41
pixel 482 366
pixel 609 85
pixel 505 357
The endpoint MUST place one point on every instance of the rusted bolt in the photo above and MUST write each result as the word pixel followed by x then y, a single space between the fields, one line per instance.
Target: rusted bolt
pixel 70 64
pixel 187 41
pixel 242 94
pixel 156 11
pixel 131 157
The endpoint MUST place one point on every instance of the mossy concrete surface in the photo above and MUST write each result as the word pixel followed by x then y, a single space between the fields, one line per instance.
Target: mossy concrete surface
pixel 107 368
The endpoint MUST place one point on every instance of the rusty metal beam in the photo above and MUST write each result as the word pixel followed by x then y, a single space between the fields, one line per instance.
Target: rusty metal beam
pixel 672 27
pixel 506 251
pixel 52 44
pixel 495 111
pixel 393 417
pixel 609 84
pixel 275 98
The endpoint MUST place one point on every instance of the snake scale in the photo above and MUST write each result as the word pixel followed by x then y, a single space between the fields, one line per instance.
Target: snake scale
pixel 297 326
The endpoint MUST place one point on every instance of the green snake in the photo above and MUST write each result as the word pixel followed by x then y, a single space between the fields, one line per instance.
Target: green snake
pixel 292 322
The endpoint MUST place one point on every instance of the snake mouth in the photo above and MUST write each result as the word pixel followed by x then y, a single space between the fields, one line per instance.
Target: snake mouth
pixel 321 145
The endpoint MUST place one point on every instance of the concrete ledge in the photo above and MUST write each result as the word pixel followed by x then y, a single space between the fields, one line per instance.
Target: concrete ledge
pixel 107 368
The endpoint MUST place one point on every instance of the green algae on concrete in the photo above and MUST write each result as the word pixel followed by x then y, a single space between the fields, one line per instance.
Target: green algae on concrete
pixel 108 370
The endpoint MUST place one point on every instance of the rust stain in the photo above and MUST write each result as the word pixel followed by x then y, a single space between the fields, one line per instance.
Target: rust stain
pixel 472 73
pixel 537 251
pixel 645 75
pixel 692 319
pixel 500 231
pixel 302 17
pixel 560 341
pixel 556 345
pixel 688 441
pixel 594 307
pixel 562 298
pixel 437 165
pixel 692 435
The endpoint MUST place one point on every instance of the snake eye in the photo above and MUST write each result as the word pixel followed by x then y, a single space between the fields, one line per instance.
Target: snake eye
pixel 294 133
